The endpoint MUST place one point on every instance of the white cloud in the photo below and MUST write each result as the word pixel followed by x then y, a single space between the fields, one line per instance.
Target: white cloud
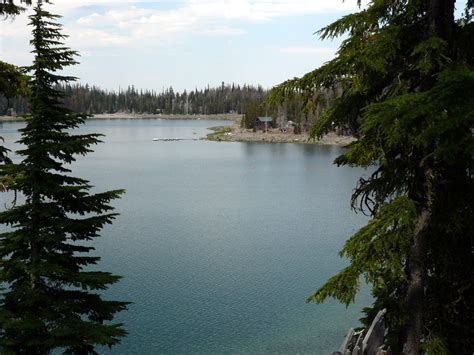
pixel 223 31
pixel 209 17
pixel 89 20
pixel 122 22
pixel 18 57
pixel 97 38
pixel 198 11
pixel 94 53
pixel 133 31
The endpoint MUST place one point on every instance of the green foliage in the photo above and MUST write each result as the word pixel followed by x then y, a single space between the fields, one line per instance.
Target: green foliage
pixel 407 77
pixel 9 8
pixel 428 55
pixel 383 241
pixel 52 295
pixel 252 110
pixel 219 131
pixel 12 82
pixel 436 347
pixel 377 252
pixel 229 98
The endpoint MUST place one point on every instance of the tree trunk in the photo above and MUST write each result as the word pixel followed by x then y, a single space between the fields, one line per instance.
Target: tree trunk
pixel 415 292
pixel 34 279
pixel 416 271
pixel 441 23
pixel 441 18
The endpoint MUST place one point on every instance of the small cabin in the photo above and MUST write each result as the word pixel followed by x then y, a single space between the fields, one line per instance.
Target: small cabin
pixel 263 123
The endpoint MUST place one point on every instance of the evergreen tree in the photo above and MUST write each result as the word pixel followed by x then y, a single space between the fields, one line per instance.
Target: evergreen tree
pixel 406 71
pixel 9 8
pixel 52 296
pixel 93 100
pixel 12 83
pixel 251 112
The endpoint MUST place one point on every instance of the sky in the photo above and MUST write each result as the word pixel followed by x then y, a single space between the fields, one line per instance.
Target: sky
pixel 186 44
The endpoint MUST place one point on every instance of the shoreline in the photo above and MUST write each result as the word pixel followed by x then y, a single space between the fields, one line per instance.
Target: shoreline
pixel 171 116
pixel 235 133
pixel 227 133
pixel 124 115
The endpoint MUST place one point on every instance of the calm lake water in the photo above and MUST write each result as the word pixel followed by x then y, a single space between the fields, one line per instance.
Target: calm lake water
pixel 220 244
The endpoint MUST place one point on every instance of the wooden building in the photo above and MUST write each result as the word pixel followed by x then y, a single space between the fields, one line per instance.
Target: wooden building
pixel 263 122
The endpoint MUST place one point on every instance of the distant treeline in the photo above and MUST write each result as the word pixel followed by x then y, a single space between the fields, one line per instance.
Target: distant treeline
pixel 250 101
pixel 228 98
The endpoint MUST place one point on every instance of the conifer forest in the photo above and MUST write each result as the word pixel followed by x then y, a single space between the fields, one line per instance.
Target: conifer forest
pixel 227 98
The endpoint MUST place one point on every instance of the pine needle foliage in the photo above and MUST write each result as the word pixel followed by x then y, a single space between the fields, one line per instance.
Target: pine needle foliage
pixel 10 8
pixel 51 297
pixel 407 73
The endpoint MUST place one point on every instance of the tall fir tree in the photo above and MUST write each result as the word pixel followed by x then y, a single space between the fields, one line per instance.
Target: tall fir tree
pixel 52 295
pixel 407 73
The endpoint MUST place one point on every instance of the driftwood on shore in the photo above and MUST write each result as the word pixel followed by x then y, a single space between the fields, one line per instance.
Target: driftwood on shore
pixel 366 342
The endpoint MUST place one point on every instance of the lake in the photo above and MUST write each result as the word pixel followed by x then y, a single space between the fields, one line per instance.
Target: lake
pixel 220 243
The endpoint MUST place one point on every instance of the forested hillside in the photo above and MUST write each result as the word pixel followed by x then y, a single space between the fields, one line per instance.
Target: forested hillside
pixel 91 99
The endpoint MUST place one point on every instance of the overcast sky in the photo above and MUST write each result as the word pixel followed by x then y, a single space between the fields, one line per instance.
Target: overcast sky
pixel 186 43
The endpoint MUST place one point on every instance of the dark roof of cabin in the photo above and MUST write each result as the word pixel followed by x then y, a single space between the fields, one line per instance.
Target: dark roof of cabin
pixel 265 119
